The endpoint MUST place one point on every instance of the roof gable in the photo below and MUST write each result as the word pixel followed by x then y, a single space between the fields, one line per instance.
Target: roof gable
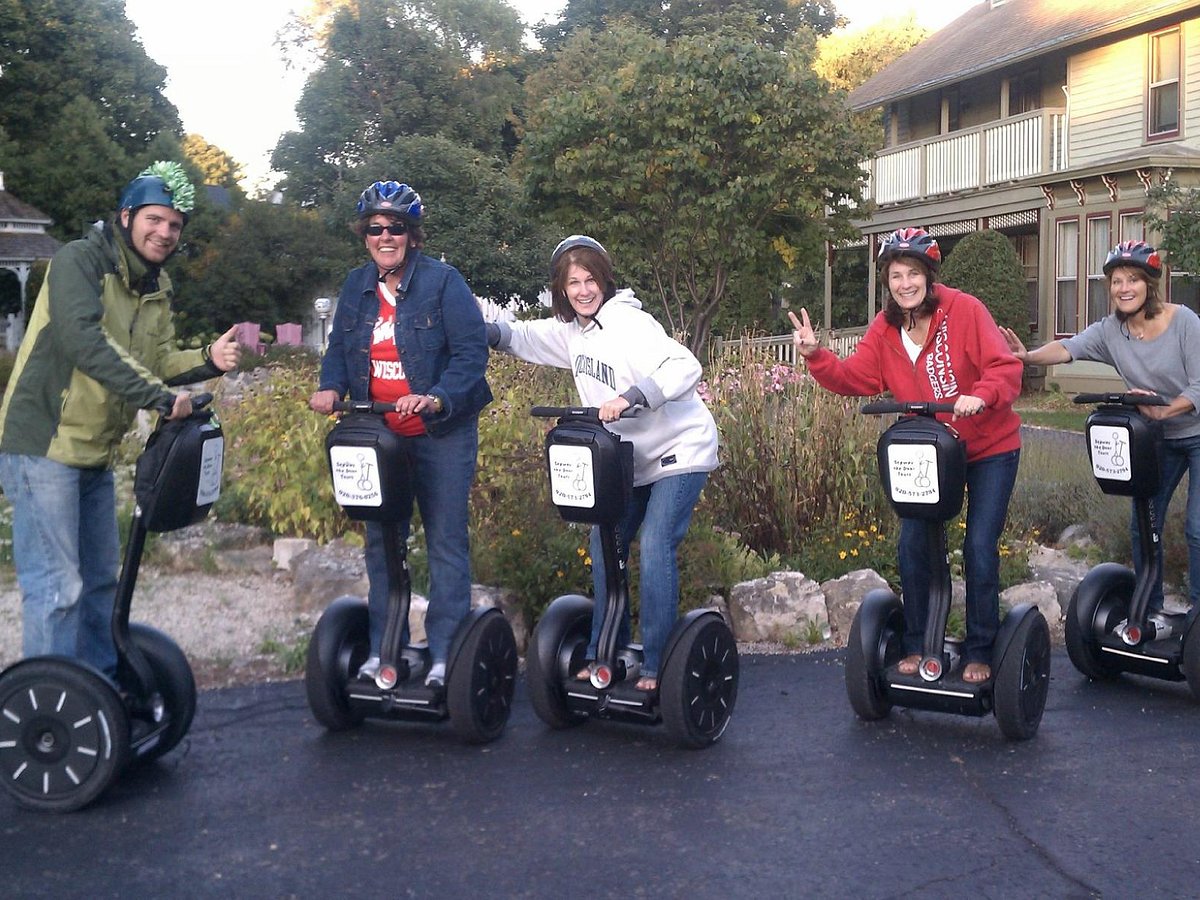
pixel 984 39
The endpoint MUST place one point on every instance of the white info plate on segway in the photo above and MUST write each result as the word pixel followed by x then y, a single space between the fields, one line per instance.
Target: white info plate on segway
pixel 355 473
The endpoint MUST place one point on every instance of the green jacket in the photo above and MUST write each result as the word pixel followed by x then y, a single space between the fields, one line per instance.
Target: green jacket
pixel 97 349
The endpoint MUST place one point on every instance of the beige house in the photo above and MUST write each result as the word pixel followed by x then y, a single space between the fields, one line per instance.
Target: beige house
pixel 1047 120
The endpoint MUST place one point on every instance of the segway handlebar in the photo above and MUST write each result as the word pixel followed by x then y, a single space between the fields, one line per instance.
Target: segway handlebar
pixel 378 407
pixel 914 407
pixel 1127 398
pixel 578 413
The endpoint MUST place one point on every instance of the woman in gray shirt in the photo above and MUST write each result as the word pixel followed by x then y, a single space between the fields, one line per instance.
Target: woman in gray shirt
pixel 1155 347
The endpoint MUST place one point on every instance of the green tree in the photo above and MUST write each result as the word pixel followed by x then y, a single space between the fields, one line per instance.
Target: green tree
pixel 698 162
pixel 265 264
pixel 474 215
pixel 776 19
pixel 985 264
pixel 74 172
pixel 848 58
pixel 216 166
pixel 54 50
pixel 389 69
pixel 1173 212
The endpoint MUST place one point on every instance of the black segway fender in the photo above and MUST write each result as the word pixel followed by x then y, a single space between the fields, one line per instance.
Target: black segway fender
pixel 1190 658
pixel 681 625
pixel 1008 628
pixel 876 609
pixel 1102 580
pixel 338 646
pixel 554 622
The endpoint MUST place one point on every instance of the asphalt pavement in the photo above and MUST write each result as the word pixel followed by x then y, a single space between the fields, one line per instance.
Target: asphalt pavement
pixel 799 799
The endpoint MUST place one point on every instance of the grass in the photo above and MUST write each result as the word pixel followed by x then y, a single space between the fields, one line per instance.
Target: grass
pixel 1051 409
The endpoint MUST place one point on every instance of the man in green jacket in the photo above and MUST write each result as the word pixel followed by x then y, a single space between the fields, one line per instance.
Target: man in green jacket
pixel 100 345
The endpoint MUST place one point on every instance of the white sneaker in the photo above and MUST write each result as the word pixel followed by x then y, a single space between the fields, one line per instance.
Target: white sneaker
pixel 368 670
pixel 436 676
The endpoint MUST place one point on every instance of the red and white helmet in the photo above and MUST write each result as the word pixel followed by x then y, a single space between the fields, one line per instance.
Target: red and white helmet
pixel 1137 254
pixel 914 242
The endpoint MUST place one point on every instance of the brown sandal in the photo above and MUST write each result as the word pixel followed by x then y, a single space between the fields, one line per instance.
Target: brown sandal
pixel 909 665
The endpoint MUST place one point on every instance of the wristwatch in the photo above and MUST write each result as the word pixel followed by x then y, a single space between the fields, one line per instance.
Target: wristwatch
pixel 436 401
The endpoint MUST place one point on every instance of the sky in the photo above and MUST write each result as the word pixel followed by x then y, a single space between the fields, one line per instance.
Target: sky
pixel 231 86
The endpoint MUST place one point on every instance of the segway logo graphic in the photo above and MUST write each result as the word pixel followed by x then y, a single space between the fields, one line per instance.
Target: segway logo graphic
pixel 1110 452
pixel 913 469
pixel 212 460
pixel 355 473
pixel 572 477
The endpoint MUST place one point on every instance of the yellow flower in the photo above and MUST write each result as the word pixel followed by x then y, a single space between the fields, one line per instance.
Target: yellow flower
pixel 841 554
pixel 559 573
pixel 516 532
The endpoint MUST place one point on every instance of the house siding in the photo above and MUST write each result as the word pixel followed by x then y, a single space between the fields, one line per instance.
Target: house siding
pixel 1107 101
pixel 1191 83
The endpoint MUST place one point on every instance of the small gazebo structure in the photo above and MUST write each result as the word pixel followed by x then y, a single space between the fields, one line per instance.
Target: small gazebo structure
pixel 23 239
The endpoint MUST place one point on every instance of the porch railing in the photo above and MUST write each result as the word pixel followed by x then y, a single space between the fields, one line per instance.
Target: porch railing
pixel 780 348
pixel 1025 146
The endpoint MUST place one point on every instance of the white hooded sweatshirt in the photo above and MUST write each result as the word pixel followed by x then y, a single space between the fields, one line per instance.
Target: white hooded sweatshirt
pixel 624 347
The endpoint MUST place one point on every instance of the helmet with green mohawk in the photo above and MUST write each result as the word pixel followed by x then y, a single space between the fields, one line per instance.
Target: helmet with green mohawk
pixel 163 183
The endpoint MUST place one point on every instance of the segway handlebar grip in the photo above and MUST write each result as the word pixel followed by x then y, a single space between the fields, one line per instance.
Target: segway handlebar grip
pixel 1121 399
pixel 585 413
pixel 378 407
pixel 915 407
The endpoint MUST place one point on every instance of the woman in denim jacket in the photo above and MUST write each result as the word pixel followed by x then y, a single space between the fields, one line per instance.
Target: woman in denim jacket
pixel 407 330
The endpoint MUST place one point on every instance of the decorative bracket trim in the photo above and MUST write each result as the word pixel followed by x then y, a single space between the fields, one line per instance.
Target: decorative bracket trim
pixel 1048 193
pixel 1110 182
pixel 1080 191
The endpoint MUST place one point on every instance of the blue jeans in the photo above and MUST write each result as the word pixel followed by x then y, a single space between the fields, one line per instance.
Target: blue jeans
pixel 989 486
pixel 662 512
pixel 439 476
pixel 1179 456
pixel 67 551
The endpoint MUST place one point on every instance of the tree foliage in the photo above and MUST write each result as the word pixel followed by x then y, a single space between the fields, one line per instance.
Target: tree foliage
pixel 216 166
pixel 697 161
pixel 1173 212
pixel 848 58
pixel 265 264
pixel 985 265
pixel 80 103
pixel 776 20
pixel 389 69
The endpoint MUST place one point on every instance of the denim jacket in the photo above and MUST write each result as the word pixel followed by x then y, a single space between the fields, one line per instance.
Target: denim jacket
pixel 440 336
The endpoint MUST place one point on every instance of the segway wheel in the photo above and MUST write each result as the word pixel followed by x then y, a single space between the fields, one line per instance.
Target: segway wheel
pixel 559 641
pixel 863 686
pixel 64 734
pixel 1098 605
pixel 176 687
pixel 479 691
pixel 339 645
pixel 698 685
pixel 1191 658
pixel 1023 679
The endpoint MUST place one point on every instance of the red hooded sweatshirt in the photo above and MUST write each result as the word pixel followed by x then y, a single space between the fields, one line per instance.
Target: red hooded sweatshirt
pixel 964 353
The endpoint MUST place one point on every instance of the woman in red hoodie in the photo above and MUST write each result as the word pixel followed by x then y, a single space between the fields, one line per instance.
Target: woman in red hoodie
pixel 934 343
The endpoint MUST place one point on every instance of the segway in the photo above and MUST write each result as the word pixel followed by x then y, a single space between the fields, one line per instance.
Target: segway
pixel 591 480
pixel 368 464
pixel 923 466
pixel 67 730
pixel 1109 626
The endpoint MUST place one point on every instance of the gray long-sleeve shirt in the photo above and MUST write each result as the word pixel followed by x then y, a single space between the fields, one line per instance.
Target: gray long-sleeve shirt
pixel 1169 364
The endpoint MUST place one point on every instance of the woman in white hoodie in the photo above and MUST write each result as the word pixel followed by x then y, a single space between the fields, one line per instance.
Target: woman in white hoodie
pixel 621 357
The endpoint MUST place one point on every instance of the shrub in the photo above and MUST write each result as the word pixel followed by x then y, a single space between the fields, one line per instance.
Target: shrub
pixel 985 265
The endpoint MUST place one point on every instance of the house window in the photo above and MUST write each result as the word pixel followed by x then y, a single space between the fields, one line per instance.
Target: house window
pixel 1099 243
pixel 1024 93
pixel 1026 246
pixel 1132 227
pixel 1163 106
pixel 951 110
pixel 1066 277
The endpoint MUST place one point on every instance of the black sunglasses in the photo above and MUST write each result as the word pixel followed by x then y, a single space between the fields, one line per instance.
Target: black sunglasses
pixel 394 228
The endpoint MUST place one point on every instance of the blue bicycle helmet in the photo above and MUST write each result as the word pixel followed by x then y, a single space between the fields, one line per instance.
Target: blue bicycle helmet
pixel 160 184
pixel 391 197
